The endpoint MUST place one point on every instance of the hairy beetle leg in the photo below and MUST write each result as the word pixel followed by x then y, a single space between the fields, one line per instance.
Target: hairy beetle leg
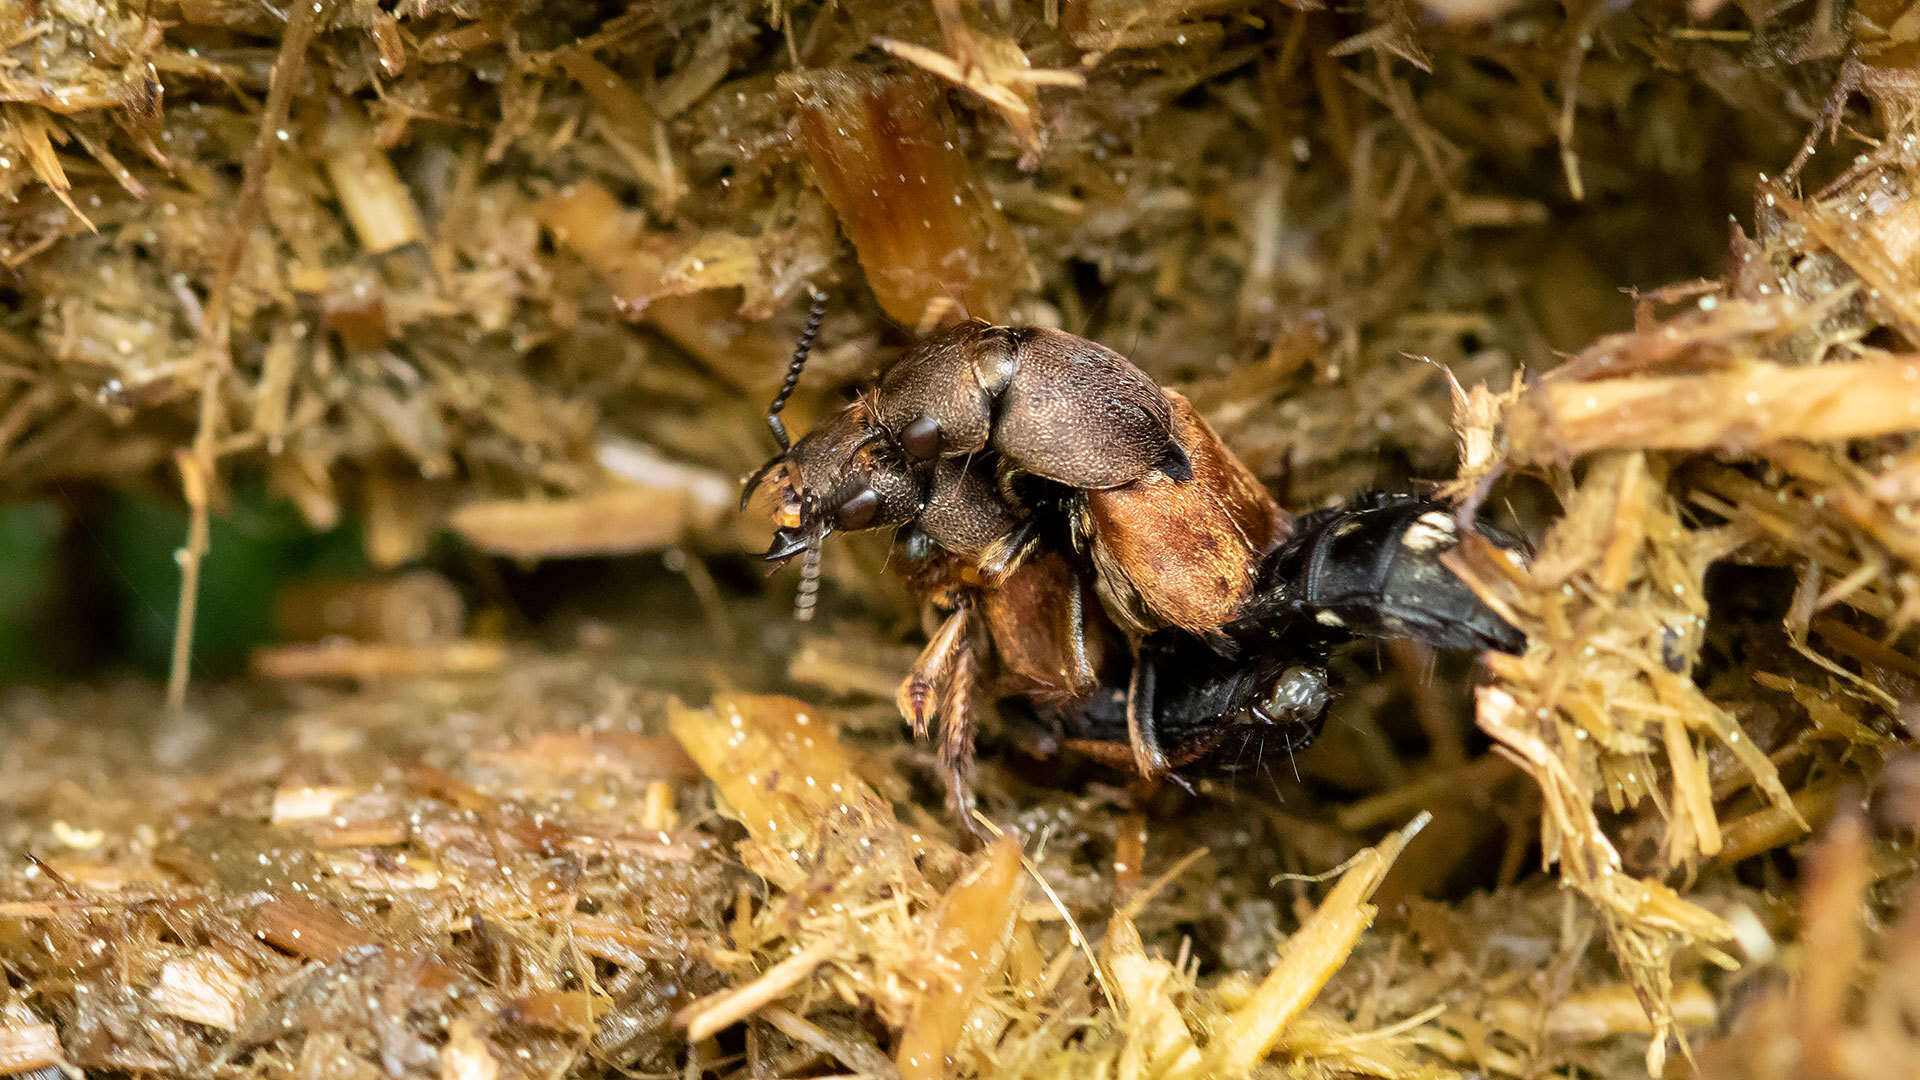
pixel 920 696
pixel 941 685
pixel 956 740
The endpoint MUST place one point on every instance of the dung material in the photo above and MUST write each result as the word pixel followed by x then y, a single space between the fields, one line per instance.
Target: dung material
pixel 1639 281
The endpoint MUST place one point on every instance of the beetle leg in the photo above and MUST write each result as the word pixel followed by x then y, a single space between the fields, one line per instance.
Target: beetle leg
pixel 956 739
pixel 920 695
pixel 1143 733
pixel 1205 707
pixel 1005 553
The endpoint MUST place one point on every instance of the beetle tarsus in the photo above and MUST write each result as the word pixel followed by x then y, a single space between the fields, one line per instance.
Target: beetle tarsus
pixel 925 688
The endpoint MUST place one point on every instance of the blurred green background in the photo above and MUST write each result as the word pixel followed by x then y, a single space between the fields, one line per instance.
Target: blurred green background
pixel 91 581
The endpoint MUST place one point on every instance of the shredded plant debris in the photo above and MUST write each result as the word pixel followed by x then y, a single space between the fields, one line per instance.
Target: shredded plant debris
pixel 481 287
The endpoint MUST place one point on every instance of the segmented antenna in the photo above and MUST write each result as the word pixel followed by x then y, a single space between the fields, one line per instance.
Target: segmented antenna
pixel 800 351
pixel 809 584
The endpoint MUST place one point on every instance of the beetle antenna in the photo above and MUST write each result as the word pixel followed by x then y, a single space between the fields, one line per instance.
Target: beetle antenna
pixel 809 593
pixel 800 351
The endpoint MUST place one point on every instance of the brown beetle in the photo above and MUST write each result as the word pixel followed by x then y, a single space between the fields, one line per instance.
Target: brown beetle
pixel 964 409
pixel 958 445
pixel 1079 538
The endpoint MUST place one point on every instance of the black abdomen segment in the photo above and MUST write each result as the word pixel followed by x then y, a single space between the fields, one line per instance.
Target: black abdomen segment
pixel 1373 570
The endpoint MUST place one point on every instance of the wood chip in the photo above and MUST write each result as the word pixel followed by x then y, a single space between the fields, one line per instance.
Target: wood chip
pixel 205 989
pixel 1738 410
pixel 29 1047
pixel 306 929
pixel 618 521
pixel 357 660
pixel 711 1015
pixel 969 945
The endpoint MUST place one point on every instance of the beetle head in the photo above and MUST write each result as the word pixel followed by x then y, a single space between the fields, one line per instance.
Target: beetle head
pixel 846 475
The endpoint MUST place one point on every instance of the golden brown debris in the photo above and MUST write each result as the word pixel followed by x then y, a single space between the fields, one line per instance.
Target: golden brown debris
pixel 976 942
pixel 1739 411
pixel 519 257
pixel 206 989
pixel 1759 427
pixel 570 1011
pixel 27 1046
pixel 886 152
pixel 1306 962
pixel 358 660
pixel 708 1017
pixel 306 929
pixel 1606 1011
pixel 377 203
pixel 413 608
pixel 678 504
pixel 967 943
pixel 992 66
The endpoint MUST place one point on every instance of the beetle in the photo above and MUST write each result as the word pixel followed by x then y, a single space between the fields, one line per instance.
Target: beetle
pixel 965 404
pixel 1080 539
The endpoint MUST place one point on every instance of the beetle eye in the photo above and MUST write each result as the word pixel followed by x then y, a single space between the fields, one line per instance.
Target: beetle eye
pixel 921 438
pixel 858 511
